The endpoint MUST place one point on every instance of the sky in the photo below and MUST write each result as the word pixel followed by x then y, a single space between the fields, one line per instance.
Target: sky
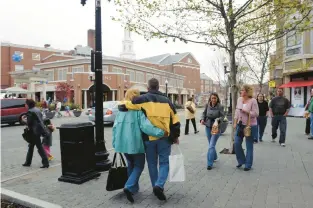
pixel 64 24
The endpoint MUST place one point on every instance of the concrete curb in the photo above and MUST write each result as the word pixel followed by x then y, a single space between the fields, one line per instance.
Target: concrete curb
pixel 24 200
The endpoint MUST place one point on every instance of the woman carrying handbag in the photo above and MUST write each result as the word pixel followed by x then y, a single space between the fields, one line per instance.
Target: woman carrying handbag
pixel 211 118
pixel 127 139
pixel 245 123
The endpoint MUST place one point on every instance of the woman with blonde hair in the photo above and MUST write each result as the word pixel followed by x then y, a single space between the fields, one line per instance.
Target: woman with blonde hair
pixel 245 123
pixel 127 139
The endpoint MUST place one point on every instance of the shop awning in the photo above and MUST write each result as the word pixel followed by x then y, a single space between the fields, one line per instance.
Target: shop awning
pixel 302 83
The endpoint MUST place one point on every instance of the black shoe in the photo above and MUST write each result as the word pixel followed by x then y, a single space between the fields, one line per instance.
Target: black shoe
pixel 45 166
pixel 186 133
pixel 196 132
pixel 261 140
pixel 247 169
pixel 209 168
pixel 238 166
pixel 311 138
pixel 159 193
pixel 26 165
pixel 129 195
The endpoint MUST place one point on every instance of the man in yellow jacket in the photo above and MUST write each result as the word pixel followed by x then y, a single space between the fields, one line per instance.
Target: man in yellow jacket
pixel 162 114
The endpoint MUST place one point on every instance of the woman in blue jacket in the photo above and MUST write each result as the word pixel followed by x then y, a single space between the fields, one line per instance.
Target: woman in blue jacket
pixel 127 139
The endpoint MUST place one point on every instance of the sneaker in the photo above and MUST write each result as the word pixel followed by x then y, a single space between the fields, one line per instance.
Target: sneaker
pixel 261 140
pixel 196 132
pixel 158 192
pixel 209 168
pixel 216 160
pixel 282 144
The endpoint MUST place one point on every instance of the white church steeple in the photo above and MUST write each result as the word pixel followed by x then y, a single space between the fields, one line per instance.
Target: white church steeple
pixel 128 46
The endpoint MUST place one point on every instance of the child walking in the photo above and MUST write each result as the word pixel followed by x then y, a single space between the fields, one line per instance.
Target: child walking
pixel 47 140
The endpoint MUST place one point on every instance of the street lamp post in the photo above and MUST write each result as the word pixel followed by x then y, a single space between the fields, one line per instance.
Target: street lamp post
pixel 166 83
pixel 101 153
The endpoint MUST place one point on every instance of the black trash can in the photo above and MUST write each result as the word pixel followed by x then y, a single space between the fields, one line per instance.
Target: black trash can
pixel 77 152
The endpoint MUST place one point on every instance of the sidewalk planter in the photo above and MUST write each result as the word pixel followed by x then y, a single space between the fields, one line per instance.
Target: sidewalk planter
pixel 77 113
pixel 50 114
pixel 224 125
pixel 77 153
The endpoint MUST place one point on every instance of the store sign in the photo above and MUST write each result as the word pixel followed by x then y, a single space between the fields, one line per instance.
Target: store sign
pixel 272 84
pixel 107 78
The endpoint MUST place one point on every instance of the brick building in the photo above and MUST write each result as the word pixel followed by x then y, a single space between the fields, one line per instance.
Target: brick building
pixel 43 68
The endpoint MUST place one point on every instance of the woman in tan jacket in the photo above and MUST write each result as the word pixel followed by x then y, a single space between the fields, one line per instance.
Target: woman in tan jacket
pixel 190 110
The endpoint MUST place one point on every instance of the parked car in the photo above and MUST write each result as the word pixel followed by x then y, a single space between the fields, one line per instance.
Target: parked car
pixel 110 110
pixel 12 110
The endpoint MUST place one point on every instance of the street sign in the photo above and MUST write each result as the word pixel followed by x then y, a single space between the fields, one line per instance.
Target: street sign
pixel 272 84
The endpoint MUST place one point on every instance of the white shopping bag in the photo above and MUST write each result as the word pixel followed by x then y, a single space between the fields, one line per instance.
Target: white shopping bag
pixel 177 169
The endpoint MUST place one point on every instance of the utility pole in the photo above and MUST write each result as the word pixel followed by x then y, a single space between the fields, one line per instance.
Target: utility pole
pixel 102 161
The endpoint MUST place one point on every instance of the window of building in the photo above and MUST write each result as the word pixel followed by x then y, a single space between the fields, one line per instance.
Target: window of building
pixel 132 75
pixel 148 76
pixel 293 43
pixel 189 60
pixel 20 53
pixel 50 74
pixel 105 68
pixel 36 56
pixel 76 69
pixel 180 83
pixel 62 72
pixel 140 77
pixel 117 70
pixel 19 67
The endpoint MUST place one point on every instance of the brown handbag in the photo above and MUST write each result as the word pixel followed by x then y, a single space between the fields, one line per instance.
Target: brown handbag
pixel 215 129
pixel 190 109
pixel 247 129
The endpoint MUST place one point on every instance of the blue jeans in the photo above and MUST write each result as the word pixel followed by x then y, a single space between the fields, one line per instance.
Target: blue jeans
pixel 240 155
pixel 136 164
pixel 158 151
pixel 311 124
pixel 262 121
pixel 211 156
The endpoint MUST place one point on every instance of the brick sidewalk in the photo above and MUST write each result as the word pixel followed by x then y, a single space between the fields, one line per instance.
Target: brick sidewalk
pixel 281 177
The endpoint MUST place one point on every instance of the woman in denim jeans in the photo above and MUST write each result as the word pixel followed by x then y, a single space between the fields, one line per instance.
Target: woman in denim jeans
pixel 213 111
pixel 127 138
pixel 246 106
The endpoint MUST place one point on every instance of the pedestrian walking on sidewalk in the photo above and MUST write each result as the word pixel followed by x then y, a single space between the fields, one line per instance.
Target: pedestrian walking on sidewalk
pixel 127 139
pixel 307 115
pixel 47 139
pixel 279 109
pixel 310 109
pixel 161 113
pixel 190 111
pixel 262 118
pixel 247 111
pixel 35 124
pixel 213 114
pixel 58 109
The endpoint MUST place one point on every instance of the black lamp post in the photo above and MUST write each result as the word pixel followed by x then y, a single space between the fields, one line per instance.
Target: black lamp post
pixel 166 83
pixel 102 161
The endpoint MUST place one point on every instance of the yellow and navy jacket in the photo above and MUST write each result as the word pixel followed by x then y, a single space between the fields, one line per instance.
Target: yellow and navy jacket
pixel 159 110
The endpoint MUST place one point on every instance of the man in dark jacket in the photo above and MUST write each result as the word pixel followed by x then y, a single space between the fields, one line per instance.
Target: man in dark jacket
pixel 279 109
pixel 161 113
pixel 36 126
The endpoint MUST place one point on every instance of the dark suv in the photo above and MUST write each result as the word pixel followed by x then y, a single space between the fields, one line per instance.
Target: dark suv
pixel 12 110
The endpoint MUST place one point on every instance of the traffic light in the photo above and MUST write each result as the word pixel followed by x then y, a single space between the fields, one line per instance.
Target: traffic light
pixel 83 2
